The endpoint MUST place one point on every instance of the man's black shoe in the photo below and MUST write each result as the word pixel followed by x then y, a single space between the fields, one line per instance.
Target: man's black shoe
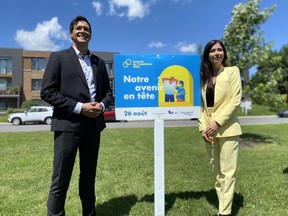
pixel 218 214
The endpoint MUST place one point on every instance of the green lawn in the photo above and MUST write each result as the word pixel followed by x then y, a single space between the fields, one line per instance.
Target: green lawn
pixel 125 176
pixel 256 111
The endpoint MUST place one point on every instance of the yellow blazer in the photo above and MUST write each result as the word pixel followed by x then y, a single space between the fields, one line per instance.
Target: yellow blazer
pixel 228 93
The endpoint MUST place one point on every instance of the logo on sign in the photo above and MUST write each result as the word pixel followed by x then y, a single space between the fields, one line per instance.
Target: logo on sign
pixel 127 63
pixel 135 63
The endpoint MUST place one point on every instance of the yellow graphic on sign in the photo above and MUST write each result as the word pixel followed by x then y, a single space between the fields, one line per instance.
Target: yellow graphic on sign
pixel 176 87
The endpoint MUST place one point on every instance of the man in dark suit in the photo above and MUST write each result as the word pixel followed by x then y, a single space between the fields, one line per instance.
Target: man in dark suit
pixel 76 84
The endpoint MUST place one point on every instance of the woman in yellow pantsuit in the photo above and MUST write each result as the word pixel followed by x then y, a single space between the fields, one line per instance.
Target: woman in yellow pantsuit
pixel 221 93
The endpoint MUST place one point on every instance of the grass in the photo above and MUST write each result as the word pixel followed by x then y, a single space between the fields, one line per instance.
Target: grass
pixel 125 176
pixel 257 110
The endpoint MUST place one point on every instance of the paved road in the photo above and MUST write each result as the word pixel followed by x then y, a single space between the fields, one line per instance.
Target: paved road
pixel 251 120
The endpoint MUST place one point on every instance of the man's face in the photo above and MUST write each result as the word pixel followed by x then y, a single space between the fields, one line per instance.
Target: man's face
pixel 81 33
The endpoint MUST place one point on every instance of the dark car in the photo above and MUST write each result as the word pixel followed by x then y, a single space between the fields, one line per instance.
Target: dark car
pixel 283 113
pixel 109 114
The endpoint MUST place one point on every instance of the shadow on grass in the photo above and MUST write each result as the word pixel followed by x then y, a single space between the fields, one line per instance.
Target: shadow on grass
pixel 119 206
pixel 250 139
pixel 210 196
pixel 285 171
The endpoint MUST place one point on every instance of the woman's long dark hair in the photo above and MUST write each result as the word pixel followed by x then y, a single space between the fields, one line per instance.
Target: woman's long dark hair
pixel 206 69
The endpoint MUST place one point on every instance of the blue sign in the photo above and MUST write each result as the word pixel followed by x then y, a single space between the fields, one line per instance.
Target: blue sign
pixel 157 86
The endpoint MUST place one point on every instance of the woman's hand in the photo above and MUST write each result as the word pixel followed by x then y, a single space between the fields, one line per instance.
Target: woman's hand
pixel 206 137
pixel 210 131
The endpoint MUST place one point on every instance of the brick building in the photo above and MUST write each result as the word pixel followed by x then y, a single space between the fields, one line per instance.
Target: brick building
pixel 21 74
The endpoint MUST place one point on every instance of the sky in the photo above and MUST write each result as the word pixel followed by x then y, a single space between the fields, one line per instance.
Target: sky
pixel 130 26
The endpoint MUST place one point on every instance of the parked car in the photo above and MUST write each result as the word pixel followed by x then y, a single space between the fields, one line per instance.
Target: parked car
pixel 283 113
pixel 35 114
pixel 109 114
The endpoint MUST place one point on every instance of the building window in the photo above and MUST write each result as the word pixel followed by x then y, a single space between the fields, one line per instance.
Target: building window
pixel 109 69
pixel 3 106
pixel 36 84
pixel 112 86
pixel 3 84
pixel 38 64
pixel 5 65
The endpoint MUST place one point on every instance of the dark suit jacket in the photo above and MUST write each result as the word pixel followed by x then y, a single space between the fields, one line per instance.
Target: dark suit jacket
pixel 64 85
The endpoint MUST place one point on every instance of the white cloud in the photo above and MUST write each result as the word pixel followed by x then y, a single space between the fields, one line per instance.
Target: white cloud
pixel 135 8
pixel 182 1
pixel 187 47
pixel 43 36
pixel 98 7
pixel 183 46
pixel 156 45
pixel 75 3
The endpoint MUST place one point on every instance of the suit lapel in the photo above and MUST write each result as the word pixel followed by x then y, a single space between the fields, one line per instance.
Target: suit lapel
pixel 94 63
pixel 217 94
pixel 76 65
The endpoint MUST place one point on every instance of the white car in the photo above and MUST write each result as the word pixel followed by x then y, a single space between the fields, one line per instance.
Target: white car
pixel 39 114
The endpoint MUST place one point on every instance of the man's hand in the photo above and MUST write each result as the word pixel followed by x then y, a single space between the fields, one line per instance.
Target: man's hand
pixel 91 109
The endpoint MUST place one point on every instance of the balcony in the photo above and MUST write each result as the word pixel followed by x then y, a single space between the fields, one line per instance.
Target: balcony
pixel 6 75
pixel 10 92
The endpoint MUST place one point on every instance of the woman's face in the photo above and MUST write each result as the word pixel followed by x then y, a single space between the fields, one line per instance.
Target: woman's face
pixel 216 54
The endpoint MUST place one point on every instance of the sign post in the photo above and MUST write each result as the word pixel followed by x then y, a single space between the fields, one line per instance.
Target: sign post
pixel 157 87
pixel 159 188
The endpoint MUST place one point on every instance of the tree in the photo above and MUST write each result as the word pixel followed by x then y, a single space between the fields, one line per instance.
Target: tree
pixel 283 84
pixel 264 87
pixel 243 39
pixel 269 86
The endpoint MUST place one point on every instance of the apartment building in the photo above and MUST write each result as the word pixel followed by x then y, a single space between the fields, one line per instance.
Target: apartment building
pixel 21 74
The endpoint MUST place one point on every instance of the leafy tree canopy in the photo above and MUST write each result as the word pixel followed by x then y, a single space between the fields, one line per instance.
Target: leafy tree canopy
pixel 243 39
pixel 264 86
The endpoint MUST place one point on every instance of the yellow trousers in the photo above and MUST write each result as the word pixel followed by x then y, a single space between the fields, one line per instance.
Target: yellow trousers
pixel 223 153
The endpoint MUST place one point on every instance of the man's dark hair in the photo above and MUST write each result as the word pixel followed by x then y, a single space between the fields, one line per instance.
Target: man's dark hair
pixel 76 20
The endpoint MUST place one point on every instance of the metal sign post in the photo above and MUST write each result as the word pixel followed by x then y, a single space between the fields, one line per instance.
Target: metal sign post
pixel 159 191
